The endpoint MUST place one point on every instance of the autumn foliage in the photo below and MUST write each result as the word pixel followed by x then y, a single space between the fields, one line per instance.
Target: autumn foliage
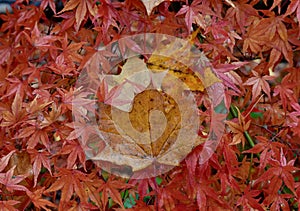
pixel 254 48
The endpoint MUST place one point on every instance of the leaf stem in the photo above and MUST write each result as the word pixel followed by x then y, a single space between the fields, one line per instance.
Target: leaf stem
pixel 249 139
pixel 233 111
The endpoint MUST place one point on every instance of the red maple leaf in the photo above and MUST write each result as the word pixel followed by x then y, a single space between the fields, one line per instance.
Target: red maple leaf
pixel 74 151
pixel 8 205
pixel 258 84
pixel 226 73
pixel 265 148
pixel 84 8
pixel 294 7
pixel 111 188
pixel 69 181
pixel 11 182
pixel 192 13
pixel 5 159
pixel 38 200
pixel 280 170
pixel 286 93
pixel 249 200
pixel 38 158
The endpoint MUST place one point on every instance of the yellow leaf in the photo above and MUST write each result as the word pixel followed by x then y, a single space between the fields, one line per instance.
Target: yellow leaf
pixel 158 63
pixel 177 58
pixel 156 131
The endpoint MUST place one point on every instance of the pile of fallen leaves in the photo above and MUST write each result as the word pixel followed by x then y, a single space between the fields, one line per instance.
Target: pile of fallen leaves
pixel 254 51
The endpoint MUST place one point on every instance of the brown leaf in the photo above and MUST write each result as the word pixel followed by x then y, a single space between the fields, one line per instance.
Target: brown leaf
pixel 156 131
pixel 21 161
pixel 238 129
pixel 175 58
pixel 150 4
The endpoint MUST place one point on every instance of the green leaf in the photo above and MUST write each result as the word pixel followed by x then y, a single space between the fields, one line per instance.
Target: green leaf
pixel 256 115
pixel 158 180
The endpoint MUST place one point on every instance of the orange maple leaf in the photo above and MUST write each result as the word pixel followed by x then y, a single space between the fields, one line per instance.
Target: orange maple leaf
pixel 239 129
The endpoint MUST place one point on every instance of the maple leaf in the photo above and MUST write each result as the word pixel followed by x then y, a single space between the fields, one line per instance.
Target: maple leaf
pixel 179 61
pixel 11 182
pixel 17 87
pixel 169 25
pixel 278 201
pixel 38 40
pixel 166 198
pixel 269 34
pixel 8 205
pixel 274 113
pixel 83 9
pixel 101 58
pixel 71 50
pixel 141 205
pixel 296 128
pixel 62 67
pixel 40 60
pixel 265 148
pixel 21 160
pixel 295 114
pixel 221 34
pixel 191 13
pixel 143 185
pixel 294 6
pixel 38 158
pixel 111 188
pixel 81 131
pixel 38 201
pixel 159 63
pixel 239 129
pixel 108 15
pixel 280 170
pixel 37 135
pixel 240 14
pixel 208 196
pixel 294 77
pixel 259 83
pixel 36 105
pixel 69 182
pixel 3 82
pixel 5 51
pixel 76 101
pixel 5 159
pixel 126 44
pixel 91 188
pixel 16 115
pixel 284 90
pixel 118 93
pixel 249 199
pixel 74 149
pixel 226 73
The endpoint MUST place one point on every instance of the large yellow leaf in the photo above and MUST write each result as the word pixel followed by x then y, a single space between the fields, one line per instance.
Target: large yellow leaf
pixel 159 129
